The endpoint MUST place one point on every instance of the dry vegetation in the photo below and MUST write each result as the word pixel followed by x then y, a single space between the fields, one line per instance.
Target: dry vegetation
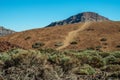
pixel 49 64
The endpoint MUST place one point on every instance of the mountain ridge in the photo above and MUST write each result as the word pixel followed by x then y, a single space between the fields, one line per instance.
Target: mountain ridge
pixel 81 17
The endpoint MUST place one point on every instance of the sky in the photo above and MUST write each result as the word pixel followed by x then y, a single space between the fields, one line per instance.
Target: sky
pixel 20 15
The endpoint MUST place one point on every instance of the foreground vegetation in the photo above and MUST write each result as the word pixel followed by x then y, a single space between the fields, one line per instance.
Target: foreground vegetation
pixel 49 64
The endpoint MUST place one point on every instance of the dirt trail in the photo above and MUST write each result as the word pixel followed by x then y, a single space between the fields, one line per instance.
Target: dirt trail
pixel 72 35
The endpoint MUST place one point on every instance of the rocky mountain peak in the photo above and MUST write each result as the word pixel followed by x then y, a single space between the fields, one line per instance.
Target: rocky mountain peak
pixel 81 17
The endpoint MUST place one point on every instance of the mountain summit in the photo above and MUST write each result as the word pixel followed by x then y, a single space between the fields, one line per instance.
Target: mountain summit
pixel 81 17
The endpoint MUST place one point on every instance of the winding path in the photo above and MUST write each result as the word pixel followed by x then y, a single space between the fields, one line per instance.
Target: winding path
pixel 72 35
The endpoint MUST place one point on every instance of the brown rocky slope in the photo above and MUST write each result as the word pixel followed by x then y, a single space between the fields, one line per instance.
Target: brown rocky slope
pixel 103 36
pixel 5 46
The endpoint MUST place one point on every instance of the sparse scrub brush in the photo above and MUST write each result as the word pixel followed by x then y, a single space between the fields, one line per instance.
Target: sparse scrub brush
pixel 85 70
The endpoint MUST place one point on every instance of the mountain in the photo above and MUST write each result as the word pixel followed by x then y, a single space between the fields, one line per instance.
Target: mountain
pixel 4 31
pixel 92 32
pixel 65 52
pixel 81 17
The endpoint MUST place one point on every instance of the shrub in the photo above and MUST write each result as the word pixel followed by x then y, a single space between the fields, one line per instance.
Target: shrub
pixel 48 51
pixel 118 46
pixel 16 51
pixel 73 42
pixel 110 59
pixel 103 39
pixel 96 61
pixel 116 54
pixel 117 61
pixel 111 68
pixel 1 64
pixel 12 62
pixel 65 60
pixel 83 58
pixel 115 75
pixel 66 63
pixel 90 48
pixel 5 57
pixel 98 47
pixel 85 70
pixel 38 45
pixel 58 44
pixel 53 59
pixel 104 54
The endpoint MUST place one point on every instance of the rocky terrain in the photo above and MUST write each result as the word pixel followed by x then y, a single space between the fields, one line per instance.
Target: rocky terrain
pixel 81 17
pixel 4 31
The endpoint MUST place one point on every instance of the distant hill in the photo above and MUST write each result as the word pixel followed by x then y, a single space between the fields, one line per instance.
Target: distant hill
pixel 4 31
pixel 81 17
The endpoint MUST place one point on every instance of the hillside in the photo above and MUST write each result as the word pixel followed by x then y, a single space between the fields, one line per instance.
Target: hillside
pixel 103 36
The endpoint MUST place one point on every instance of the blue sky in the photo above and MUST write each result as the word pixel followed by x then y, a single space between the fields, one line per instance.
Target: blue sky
pixel 22 15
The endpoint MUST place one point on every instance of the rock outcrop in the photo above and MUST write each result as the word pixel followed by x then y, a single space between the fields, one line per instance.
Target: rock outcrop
pixel 81 17
pixel 4 31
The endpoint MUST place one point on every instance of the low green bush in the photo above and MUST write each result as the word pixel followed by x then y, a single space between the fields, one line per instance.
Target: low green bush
pixel 110 59
pixel 116 54
pixel 58 44
pixel 54 59
pixel 65 60
pixel 38 45
pixel 48 51
pixel 83 58
pixel 90 48
pixel 85 70
pixel 96 61
pixel 104 54
pixel 4 57
pixel 111 68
